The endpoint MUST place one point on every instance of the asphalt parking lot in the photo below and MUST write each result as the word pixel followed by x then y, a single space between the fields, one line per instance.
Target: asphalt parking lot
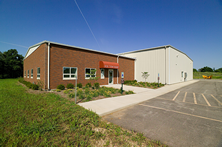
pixel 189 116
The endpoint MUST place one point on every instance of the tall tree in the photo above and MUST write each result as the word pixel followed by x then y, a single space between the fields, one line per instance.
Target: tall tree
pixel 1 65
pixel 194 70
pixel 218 70
pixel 12 64
pixel 206 69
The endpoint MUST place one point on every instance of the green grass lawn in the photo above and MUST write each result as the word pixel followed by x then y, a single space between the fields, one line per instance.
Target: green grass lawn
pixel 49 120
pixel 215 75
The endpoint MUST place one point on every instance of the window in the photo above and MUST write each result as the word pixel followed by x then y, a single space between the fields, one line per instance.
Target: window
pixel 28 74
pixel 31 73
pixel 102 73
pixel 38 73
pixel 90 73
pixel 69 73
pixel 182 74
pixel 25 74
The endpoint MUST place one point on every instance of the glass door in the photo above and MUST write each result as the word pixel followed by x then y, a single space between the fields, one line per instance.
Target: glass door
pixel 110 76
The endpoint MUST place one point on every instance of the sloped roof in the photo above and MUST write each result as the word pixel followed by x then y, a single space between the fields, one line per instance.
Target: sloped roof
pixel 154 48
pixel 34 47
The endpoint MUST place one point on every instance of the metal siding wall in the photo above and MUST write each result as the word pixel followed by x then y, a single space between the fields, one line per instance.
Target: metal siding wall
pixel 178 63
pixel 152 61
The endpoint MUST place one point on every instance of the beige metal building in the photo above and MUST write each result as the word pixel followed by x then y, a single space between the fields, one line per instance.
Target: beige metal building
pixel 171 64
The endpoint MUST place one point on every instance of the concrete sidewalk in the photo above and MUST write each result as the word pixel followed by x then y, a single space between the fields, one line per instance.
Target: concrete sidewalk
pixel 109 105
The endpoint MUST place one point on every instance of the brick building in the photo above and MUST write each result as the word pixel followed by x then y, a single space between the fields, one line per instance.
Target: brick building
pixel 54 63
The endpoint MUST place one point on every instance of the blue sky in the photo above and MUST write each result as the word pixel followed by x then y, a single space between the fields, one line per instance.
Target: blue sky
pixel 192 26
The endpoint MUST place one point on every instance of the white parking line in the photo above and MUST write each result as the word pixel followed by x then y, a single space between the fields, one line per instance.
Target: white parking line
pixel 194 97
pixel 216 100
pixel 184 99
pixel 182 113
pixel 206 100
pixel 176 95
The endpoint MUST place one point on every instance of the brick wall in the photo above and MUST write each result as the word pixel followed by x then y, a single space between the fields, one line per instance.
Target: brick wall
pixel 61 56
pixel 35 60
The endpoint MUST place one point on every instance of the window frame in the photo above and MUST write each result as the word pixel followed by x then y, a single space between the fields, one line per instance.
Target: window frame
pixel 90 72
pixel 28 74
pixel 31 73
pixel 102 75
pixel 70 78
pixel 25 74
pixel 181 74
pixel 38 74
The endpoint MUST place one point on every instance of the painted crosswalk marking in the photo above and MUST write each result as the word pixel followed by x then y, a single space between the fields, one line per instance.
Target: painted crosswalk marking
pixel 206 100
pixel 194 97
pixel 176 96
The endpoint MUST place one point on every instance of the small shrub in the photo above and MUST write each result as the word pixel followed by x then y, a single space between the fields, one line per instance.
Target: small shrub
pixel 35 87
pixel 89 97
pixel 58 90
pixel 69 86
pixel 96 94
pixel 40 84
pixel 66 92
pixel 79 92
pixel 87 91
pixel 148 85
pixel 88 85
pixel 130 92
pixel 79 85
pixel 107 93
pixel 96 85
pixel 71 95
pixel 61 87
pixel 70 90
pixel 81 96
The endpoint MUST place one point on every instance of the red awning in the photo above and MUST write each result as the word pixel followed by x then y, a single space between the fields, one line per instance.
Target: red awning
pixel 112 65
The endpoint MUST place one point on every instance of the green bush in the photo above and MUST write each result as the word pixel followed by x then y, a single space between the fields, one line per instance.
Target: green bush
pixel 66 91
pixel 71 95
pixel 81 96
pixel 79 92
pixel 58 90
pixel 61 87
pixel 29 84
pixel 107 93
pixel 96 85
pixel 130 92
pixel 96 94
pixel 88 85
pixel 130 82
pixel 88 97
pixel 69 86
pixel 35 87
pixel 87 91
pixel 79 85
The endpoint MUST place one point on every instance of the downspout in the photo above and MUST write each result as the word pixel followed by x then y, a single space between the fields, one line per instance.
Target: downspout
pixel 169 65
pixel 48 64
pixel 117 70
pixel 165 65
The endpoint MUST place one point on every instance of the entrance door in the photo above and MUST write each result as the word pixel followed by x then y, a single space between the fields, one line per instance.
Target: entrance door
pixel 110 76
pixel 185 77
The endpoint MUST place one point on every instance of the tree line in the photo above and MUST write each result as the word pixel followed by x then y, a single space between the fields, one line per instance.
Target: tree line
pixel 11 64
pixel 208 69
